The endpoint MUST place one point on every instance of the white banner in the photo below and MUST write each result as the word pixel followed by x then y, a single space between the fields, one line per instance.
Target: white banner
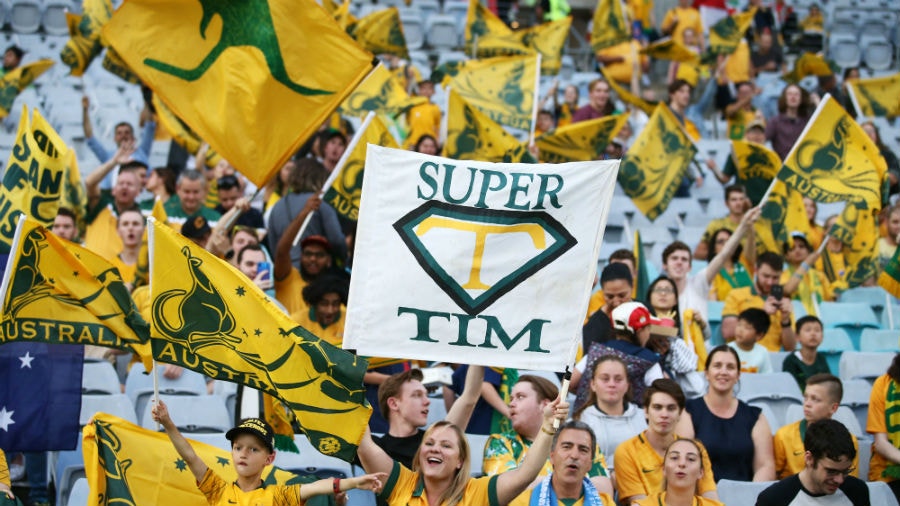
pixel 475 262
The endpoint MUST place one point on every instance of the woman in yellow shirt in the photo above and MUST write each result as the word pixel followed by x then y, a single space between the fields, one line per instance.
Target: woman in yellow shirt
pixel 683 469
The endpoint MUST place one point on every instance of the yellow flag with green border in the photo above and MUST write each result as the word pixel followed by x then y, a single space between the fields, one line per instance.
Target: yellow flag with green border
pixel 253 95
pixel 382 93
pixel 472 135
pixel 647 106
pixel 670 49
pixel 115 65
pixel 13 82
pixel 503 87
pixel 782 214
pixel 209 317
pixel 754 166
pixel 583 141
pixel 487 36
pixel 857 229
pixel 381 32
pixel 876 96
pixel 655 164
pixel 548 39
pixel 610 25
pixel 726 34
pixel 84 35
pixel 889 279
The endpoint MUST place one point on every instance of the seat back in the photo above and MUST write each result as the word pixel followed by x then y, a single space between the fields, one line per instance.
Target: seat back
pixel 740 493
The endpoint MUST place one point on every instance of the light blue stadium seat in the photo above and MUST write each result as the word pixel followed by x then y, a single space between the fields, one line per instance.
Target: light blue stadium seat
pixel 778 390
pixel 740 493
pixel 834 343
pixel 864 365
pixel 476 450
pixel 843 414
pixel 413 30
pixel 880 493
pixel 879 340
pixel 192 414
pixel 714 311
pixel 99 378
pixel 777 359
pixel 25 16
pixel 54 16
pixel 441 32
pixel 856 398
pixel 774 422
pixel 874 296
pixel 850 316
pixel 80 493
pixel 139 386
pixel 69 467
pixel 117 404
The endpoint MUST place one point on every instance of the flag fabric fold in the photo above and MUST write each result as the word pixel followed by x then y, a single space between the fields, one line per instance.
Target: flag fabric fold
pixel 381 32
pixel 726 34
pixel 889 279
pixel 382 93
pixel 782 213
pixel 13 82
pixel 583 141
pixel 670 49
pixel 487 36
pixel 754 166
pixel 876 96
pixel 472 135
pixel 84 35
pixel 647 106
pixel 548 39
pixel 610 26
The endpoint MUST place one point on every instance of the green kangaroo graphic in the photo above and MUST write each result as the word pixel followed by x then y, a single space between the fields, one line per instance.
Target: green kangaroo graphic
pixel 756 157
pixel 244 23
pixel 109 445
pixel 28 284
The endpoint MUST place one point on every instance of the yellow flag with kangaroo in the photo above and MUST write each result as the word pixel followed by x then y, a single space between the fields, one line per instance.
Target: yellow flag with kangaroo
pixel 655 164
pixel 209 317
pixel 877 96
pixel 116 66
pixel 857 229
pixel 472 135
pixel 84 35
pixel 579 142
pixel 487 35
pixel 127 464
pixel 503 88
pixel 181 133
pixel 754 166
pixel 610 25
pixel 647 106
pixel 13 82
pixel 381 32
pixel 382 93
pixel 670 49
pixel 56 291
pixel 548 39
pixel 254 95
pixel 346 190
pixel 725 35
pixel 782 213
pixel 73 195
pixel 834 160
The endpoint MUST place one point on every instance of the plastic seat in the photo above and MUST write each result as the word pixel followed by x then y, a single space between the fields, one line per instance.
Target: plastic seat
pixel 691 235
pixel 774 422
pixel 192 414
pixel 68 469
pixel 215 439
pixel 54 19
pixel 740 493
pixel 428 7
pixel 777 359
pixel 844 50
pixel 459 10
pixel 25 16
pixel 779 390
pixel 880 493
pixel 80 493
pixel 834 343
pixel 413 30
pixel 879 340
pixel 139 386
pixel 856 398
pixel 441 32
pixel 850 316
pixel 874 296
pixel 878 53
pixel 843 414
pixel 714 312
pixel 310 462
pixel 99 378
pixel 118 404
pixel 864 365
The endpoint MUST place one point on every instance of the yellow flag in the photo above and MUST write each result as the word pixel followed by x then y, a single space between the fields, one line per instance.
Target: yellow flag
pixel 582 141
pixel 73 195
pixel 343 17
pixel 725 35
pixel 548 39
pixel 382 93
pixel 889 279
pixel 610 26
pixel 655 164
pixel 33 181
pixel 14 81
pixel 209 317
pixel 126 464
pixel 877 96
pixel 254 95
pixel 502 87
pixel 856 228
pixel 754 167
pixel 181 133
pixel 381 32
pixel 629 98
pixel 116 66
pixel 782 213
pixel 58 292
pixel 346 190
pixel 834 160
pixel 487 35
pixel 472 135
pixel 84 35
pixel 809 64
pixel 671 49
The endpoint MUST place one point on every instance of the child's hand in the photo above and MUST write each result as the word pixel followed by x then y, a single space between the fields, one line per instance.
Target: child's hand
pixel 4 489
pixel 160 413
pixel 371 482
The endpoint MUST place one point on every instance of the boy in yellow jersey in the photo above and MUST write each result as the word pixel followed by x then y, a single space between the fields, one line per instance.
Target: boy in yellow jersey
pixel 424 118
pixel 251 451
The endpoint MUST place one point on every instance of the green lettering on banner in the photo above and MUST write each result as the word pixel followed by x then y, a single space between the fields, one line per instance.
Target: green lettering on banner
pixel 59 332
pixel 473 187
pixel 174 353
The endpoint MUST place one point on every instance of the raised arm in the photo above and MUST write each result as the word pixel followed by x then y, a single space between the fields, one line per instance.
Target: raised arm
pixel 513 482
pixel 184 449
pixel 462 409
pixel 92 181
pixel 86 117
pixel 325 486
pixel 715 264
pixel 373 458
pixel 283 249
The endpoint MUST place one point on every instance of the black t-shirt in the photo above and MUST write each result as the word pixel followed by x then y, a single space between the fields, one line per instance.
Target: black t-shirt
pixel 790 492
pixel 401 449
pixel 598 329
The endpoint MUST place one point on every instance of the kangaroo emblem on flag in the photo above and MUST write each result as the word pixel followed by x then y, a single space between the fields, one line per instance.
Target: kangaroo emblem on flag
pixel 244 23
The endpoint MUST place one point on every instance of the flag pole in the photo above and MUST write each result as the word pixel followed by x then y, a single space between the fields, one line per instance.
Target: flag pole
pixel 7 273
pixel 852 91
pixel 151 236
pixel 563 391
pixel 536 102
pixel 768 193
pixel 337 171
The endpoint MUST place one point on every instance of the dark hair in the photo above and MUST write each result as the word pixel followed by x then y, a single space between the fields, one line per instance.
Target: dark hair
pixel 711 246
pixel 665 386
pixel 16 50
pixel 426 137
pixel 773 260
pixel 734 188
pixel 308 176
pixel 124 123
pixel 615 271
pixel 167 175
pixel 725 349
pixel 623 254
pixel 546 390
pixel 609 108
pixel 834 384
pixel 878 143
pixel 757 318
pixel 65 211
pixel 592 396
pixel 664 279
pixel 249 247
pixel 673 247
pixel 805 108
pixel 133 209
pixel 133 165
pixel 576 425
pixel 391 386
pixel 314 292
pixel 894 369
pixel 828 438
pixel 807 319
pixel 228 182
pixel 678 84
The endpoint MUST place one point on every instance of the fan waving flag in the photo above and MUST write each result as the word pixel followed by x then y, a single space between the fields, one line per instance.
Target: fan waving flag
pixel 580 142
pixel 381 33
pixel 877 96
pixel 610 26
pixel 84 35
pixel 254 94
pixel 488 263
pixel 472 135
pixel 209 317
pixel 14 81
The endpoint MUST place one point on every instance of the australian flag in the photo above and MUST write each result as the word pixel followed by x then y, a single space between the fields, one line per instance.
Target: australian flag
pixel 40 396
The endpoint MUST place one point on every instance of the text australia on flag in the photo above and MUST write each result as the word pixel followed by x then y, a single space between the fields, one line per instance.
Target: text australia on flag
pixel 488 263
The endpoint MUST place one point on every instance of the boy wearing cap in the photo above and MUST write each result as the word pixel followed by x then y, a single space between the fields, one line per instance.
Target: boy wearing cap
pixel 251 451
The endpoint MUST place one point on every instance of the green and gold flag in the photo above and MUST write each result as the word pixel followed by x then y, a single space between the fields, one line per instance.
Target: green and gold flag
pixel 582 141
pixel 670 49
pixel 345 191
pixel 641 265
pixel 56 291
pixel 877 96
pixel 115 65
pixel 725 35
pixel 610 25
pixel 14 81
pixel 488 36
pixel 472 135
pixel 809 64
pixel 382 93
pixel 754 166
pixel 656 163
pixel 84 35
pixel 647 106
pixel 857 229
pixel 503 88
pixel 254 95
pixel 889 279
pixel 209 317
pixel 381 33
pixel 181 133
pixel 548 39
pixel 782 213
pixel 73 195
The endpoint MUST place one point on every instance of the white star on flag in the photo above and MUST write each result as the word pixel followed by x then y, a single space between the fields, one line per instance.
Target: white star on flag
pixel 6 418
pixel 26 360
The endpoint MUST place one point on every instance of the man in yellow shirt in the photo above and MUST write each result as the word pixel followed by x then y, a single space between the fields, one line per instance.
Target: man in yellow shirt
pixel 680 18
pixel 765 296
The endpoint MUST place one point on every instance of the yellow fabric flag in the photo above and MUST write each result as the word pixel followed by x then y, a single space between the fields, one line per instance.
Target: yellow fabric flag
pixel 582 141
pixel 209 317
pixel 725 35
pixel 33 181
pixel 877 96
pixel 856 228
pixel 73 195
pixel 126 464
pixel 488 36
pixel 116 66
pixel 610 26
pixel 382 93
pixel 56 291
pixel 381 32
pixel 834 160
pixel 346 189
pixel 254 95
pixel 670 49
pixel 14 81
pixel 181 133
pixel 629 98
pixel 655 164
pixel 809 64
pixel 754 166
pixel 84 35
pixel 889 279
pixel 472 135
pixel 548 39
pixel 501 87
pixel 343 17
pixel 782 213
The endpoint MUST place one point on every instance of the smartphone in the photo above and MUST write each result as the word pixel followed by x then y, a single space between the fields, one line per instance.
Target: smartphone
pixel 264 266
pixel 777 292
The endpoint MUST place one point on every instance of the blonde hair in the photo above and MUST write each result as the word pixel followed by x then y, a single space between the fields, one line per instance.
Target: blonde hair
pixel 454 493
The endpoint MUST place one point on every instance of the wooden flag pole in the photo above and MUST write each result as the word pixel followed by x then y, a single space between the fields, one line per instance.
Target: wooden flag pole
pixel 536 103
pixel 563 391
